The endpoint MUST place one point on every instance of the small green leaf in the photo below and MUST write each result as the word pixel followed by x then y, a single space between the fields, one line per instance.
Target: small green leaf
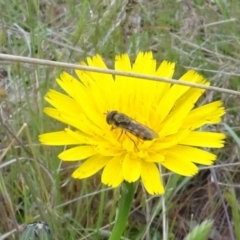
pixel 201 231
pixel 36 231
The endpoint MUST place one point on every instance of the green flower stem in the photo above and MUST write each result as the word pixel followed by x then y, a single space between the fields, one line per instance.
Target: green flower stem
pixel 125 203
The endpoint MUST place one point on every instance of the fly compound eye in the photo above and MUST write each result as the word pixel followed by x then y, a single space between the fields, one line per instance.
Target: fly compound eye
pixel 110 117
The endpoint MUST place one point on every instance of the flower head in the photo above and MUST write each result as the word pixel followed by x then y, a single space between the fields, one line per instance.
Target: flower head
pixel 128 126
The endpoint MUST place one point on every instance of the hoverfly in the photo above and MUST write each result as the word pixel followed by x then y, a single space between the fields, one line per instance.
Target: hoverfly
pixel 126 123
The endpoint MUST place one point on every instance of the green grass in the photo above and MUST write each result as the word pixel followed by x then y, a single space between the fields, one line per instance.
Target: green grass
pixel 35 185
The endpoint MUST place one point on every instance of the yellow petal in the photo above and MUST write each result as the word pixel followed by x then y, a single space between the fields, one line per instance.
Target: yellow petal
pixel 151 178
pixel 175 92
pixel 109 149
pixel 98 85
pixel 98 91
pixel 57 138
pixel 179 165
pixel 83 95
pixel 112 173
pixel 79 121
pixel 131 168
pixel 68 119
pixel 80 137
pixel 122 62
pixel 165 70
pixel 156 92
pixel 180 111
pixel 145 90
pixel 77 153
pixel 174 121
pixel 192 154
pixel 54 113
pixel 95 61
pixel 170 141
pixel 192 95
pixel 70 85
pixel 128 145
pixel 91 166
pixel 204 139
pixel 207 114
pixel 62 102
pixel 155 157
pixel 144 63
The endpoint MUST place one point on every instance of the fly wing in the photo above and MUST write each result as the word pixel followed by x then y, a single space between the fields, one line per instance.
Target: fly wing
pixel 147 133
pixel 139 130
pixel 122 119
pixel 151 132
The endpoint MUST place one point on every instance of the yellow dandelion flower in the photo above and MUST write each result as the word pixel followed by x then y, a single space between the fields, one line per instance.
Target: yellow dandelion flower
pixel 128 126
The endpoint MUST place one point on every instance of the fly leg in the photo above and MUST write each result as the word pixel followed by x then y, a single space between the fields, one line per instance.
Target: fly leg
pixel 132 141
